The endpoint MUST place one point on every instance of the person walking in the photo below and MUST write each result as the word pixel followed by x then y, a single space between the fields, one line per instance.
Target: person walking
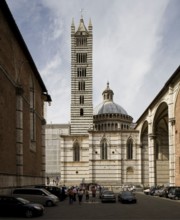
pixel 87 195
pixel 74 193
pixel 80 196
pixel 93 190
pixel 71 196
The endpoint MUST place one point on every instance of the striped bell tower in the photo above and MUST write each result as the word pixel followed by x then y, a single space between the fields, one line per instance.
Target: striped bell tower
pixel 81 78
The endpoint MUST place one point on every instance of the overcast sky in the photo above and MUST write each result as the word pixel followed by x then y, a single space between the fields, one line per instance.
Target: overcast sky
pixel 136 47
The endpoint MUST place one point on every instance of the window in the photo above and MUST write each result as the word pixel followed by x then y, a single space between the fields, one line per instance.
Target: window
pixel 81 41
pixel 104 149
pixel 76 152
pixel 81 85
pixel 81 72
pixel 130 149
pixel 81 111
pixel 32 110
pixel 129 170
pixel 81 99
pixel 81 57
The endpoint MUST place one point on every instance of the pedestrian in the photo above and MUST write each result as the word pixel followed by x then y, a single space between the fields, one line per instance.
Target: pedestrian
pixel 74 193
pixel 87 195
pixel 80 195
pixel 93 190
pixel 71 196
pixel 63 195
pixel 48 180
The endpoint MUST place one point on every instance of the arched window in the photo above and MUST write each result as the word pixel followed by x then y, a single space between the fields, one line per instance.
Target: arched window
pixel 81 85
pixel 81 111
pixel 32 110
pixel 130 149
pixel 129 170
pixel 104 149
pixel 81 99
pixel 76 152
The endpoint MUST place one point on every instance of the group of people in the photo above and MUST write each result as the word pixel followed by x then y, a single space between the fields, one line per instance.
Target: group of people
pixel 75 193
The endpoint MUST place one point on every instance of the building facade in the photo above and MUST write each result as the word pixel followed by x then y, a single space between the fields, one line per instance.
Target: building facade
pixel 104 146
pixel 22 97
pixel 159 134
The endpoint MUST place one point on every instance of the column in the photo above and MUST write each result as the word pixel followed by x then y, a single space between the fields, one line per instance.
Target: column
pixel 171 128
pixel 152 170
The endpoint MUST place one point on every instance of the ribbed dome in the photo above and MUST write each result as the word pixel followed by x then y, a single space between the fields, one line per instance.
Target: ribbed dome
pixel 108 106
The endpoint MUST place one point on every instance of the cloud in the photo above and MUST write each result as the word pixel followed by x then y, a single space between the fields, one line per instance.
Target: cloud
pixel 135 47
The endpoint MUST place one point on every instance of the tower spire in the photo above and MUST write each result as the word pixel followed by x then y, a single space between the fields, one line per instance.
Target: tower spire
pixel 90 23
pixel 82 9
pixel 72 24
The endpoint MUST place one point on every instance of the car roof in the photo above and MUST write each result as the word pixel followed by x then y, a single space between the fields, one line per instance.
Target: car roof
pixel 6 196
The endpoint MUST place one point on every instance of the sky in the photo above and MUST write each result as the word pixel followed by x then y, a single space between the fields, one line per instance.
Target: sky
pixel 136 48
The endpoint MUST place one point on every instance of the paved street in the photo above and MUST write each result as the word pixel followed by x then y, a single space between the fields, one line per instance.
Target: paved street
pixel 148 207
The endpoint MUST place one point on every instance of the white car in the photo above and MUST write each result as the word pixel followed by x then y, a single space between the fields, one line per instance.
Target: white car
pixel 146 191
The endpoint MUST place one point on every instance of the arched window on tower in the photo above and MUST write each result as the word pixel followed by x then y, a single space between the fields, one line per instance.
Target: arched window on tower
pixel 81 99
pixel 104 149
pixel 81 57
pixel 81 72
pixel 81 111
pixel 81 85
pixel 130 149
pixel 76 151
pixel 81 41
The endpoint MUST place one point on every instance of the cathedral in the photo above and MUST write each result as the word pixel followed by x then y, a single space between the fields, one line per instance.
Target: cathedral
pixel 102 145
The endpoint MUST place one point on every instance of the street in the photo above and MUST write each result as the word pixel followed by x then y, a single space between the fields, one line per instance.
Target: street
pixel 147 207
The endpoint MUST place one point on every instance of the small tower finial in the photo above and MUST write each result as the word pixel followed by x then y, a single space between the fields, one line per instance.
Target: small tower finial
pixel 90 23
pixel 72 24
pixel 82 9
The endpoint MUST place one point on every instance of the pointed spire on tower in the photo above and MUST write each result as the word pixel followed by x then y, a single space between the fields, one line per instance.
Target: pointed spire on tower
pixel 81 13
pixel 90 23
pixel 82 27
pixel 72 24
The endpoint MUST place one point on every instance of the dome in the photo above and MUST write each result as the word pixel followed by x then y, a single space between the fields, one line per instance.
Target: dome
pixel 108 106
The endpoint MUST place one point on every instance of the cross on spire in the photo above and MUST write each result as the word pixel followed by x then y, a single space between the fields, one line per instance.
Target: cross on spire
pixel 82 9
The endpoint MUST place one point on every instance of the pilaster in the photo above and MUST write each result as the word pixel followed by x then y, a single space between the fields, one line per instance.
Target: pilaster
pixel 19 134
pixel 171 129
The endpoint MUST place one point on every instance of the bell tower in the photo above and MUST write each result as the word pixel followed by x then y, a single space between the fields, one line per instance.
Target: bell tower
pixel 81 78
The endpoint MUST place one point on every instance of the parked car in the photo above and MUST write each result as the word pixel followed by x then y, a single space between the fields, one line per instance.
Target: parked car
pixel 102 191
pixel 108 196
pixel 164 192
pixel 55 190
pixel 11 206
pixel 174 193
pixel 138 188
pixel 146 191
pixel 127 197
pixel 158 191
pixel 154 190
pixel 41 196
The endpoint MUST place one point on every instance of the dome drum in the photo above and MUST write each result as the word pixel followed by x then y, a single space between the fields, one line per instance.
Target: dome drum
pixel 113 117
pixel 111 126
